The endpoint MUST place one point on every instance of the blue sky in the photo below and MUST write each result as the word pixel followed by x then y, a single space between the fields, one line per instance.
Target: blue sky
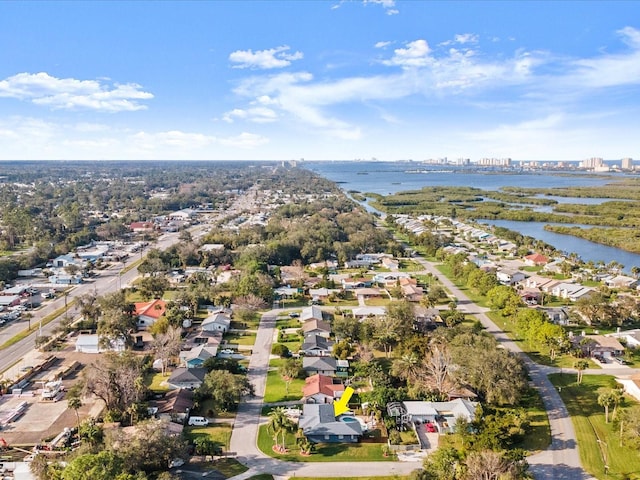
pixel 320 80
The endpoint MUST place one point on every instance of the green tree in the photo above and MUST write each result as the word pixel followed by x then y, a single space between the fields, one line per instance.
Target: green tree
pixel 104 465
pixel 225 389
pixel 290 369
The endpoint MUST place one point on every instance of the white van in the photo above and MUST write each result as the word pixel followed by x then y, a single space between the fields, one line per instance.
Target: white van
pixel 200 421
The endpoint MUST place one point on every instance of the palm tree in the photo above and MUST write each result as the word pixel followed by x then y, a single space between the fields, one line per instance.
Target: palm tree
pixel 75 403
pixel 581 366
pixel 606 398
pixel 277 420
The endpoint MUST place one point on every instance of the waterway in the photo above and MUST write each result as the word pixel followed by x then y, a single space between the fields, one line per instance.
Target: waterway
pixel 390 177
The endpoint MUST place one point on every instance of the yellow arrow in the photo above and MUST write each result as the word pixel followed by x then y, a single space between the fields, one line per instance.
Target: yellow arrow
pixel 340 406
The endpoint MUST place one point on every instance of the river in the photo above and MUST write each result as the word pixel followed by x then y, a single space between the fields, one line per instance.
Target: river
pixel 390 177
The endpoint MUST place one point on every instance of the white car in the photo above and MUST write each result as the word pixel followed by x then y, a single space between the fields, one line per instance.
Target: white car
pixel 228 351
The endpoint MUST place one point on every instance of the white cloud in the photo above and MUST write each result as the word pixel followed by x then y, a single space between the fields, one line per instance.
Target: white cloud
pixel 172 139
pixel 382 44
pixel 264 59
pixel 244 140
pixel 255 114
pixel 388 5
pixel 70 93
pixel 417 54
pixel 466 38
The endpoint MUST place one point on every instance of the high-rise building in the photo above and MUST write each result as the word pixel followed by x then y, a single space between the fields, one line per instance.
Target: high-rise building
pixel 627 163
pixel 592 163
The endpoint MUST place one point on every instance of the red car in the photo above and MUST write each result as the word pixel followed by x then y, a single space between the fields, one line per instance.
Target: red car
pixel 431 428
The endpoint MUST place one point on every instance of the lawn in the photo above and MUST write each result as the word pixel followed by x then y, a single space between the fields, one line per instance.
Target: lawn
pixel 323 452
pixel 287 322
pixel 244 338
pixel 153 381
pixel 276 390
pixel 538 436
pixel 218 432
pixel 229 467
pixel 598 441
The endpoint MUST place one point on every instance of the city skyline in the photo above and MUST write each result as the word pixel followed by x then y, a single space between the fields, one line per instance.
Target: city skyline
pixel 325 80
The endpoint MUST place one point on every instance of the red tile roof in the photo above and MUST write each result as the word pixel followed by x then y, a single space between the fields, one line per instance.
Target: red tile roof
pixel 321 384
pixel 153 309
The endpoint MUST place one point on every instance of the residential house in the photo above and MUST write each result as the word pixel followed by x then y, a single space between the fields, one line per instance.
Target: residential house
pixel 316 346
pixel 556 266
pixel 90 343
pixel 316 327
pixel 321 365
pixel 363 312
pixel 322 294
pixel 390 263
pixel 142 227
pixel 189 378
pixel 426 319
pixel 389 279
pixel 286 292
pixel 342 368
pixel 320 425
pixel 200 337
pixel 507 276
pixel 631 337
pixel 621 281
pixel 598 345
pixel 535 260
pixel 443 415
pixel 631 385
pixel 149 312
pixel 531 295
pixel 174 405
pixel 311 313
pixel 321 389
pixel 559 315
pixel 413 293
pixel 354 283
pixel 572 291
pixel 195 357
pixel 367 293
pixel 217 322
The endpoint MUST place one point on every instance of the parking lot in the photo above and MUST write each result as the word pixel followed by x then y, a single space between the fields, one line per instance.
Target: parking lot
pixel 42 420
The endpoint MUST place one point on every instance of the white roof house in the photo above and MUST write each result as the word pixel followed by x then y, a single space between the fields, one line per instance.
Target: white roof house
pixel 90 343
pixel 216 322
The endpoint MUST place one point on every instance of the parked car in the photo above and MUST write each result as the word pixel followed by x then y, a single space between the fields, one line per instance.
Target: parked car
pixel 199 421
pixel 294 315
pixel 619 360
pixel 430 427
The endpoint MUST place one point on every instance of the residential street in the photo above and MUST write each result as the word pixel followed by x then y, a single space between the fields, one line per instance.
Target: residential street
pixel 561 460
pixel 245 430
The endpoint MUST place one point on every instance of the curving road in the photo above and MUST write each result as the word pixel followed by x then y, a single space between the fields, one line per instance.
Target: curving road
pixel 562 459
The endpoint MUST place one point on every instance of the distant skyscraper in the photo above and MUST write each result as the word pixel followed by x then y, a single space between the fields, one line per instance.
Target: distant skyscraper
pixel 627 163
pixel 591 163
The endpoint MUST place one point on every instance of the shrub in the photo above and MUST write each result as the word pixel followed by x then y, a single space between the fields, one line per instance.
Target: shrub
pixel 281 350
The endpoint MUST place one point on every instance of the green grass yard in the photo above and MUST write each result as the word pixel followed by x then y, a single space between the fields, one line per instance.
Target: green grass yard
pixel 276 390
pixel 589 423
pixel 323 452
pixel 218 432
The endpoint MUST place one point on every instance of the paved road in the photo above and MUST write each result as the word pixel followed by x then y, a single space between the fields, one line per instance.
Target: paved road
pixel 561 460
pixel 245 430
